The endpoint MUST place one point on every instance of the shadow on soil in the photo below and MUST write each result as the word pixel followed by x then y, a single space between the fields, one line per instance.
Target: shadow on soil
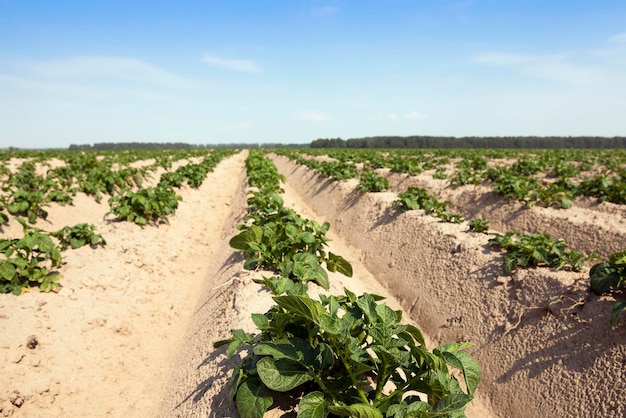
pixel 388 216
pixel 222 404
pixel 578 337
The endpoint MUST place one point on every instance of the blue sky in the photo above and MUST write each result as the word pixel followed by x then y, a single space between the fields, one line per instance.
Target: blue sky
pixel 79 72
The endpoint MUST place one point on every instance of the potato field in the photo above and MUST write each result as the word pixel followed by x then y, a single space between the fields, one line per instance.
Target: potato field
pixel 313 283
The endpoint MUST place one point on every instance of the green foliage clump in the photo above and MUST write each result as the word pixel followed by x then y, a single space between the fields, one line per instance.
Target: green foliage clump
pixel 605 188
pixel 415 198
pixel 276 238
pixel 337 170
pixel 77 236
pixel 27 261
pixel 372 182
pixel 350 356
pixel 406 165
pixel 537 249
pixel 610 275
pixel 149 205
pixel 478 225
pixel 291 245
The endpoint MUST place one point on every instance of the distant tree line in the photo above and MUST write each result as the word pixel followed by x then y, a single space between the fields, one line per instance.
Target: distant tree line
pixel 474 142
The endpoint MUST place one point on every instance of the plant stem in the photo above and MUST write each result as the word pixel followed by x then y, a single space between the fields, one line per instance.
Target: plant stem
pixel 355 382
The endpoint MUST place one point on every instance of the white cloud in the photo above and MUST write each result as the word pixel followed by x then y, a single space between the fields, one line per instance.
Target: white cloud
pixel 95 78
pixel 546 67
pixel 313 116
pixel 409 115
pixel 415 115
pixel 104 67
pixel 244 66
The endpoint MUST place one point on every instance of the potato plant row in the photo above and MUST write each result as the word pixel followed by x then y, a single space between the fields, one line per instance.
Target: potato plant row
pixel 570 173
pixel 27 192
pixel 32 260
pixel 551 178
pixel 338 355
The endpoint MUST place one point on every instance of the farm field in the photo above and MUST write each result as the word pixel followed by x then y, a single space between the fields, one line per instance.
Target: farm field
pixel 130 331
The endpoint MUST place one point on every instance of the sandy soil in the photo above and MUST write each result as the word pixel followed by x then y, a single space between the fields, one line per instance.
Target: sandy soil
pixel 588 226
pixel 131 331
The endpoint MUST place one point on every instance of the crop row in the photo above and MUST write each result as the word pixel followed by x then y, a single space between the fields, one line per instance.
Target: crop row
pixel 33 258
pixel 548 178
pixel 344 355
pixel 27 193
pixel 520 250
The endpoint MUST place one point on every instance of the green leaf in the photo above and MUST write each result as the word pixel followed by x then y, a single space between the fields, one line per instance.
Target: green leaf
pixel 388 362
pixel 415 333
pixel 291 231
pixel 306 237
pixel 603 277
pixel 77 243
pixel 387 315
pixel 252 399
pixel 282 375
pixel 339 264
pixel 451 403
pixel 368 306
pixel 300 305
pixel 5 243
pixel 277 350
pixel 306 267
pixel 251 263
pixel 414 409
pixel 617 311
pixel 470 367
pixel 330 324
pixel 351 295
pixel 358 410
pixel 260 321
pixel 242 241
pixel 233 347
pixel 7 270
pixel 566 203
pixel 312 405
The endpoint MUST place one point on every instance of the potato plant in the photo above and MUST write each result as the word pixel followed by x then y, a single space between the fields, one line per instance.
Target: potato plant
pixel 145 206
pixel 372 182
pixel 531 250
pixel 478 225
pixel 28 261
pixel 29 203
pixel 77 236
pixel 348 356
pixel 277 238
pixel 415 198
pixel 610 275
pixel 291 245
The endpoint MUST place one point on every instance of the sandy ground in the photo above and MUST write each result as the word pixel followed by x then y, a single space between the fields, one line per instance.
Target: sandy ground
pixel 106 341
pixel 131 331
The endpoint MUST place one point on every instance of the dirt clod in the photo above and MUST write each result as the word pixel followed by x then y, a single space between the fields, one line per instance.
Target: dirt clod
pixel 32 342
